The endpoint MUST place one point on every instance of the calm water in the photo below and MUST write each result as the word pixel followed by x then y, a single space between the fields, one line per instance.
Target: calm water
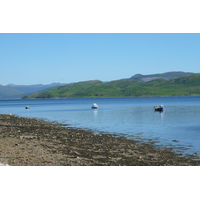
pixel 135 117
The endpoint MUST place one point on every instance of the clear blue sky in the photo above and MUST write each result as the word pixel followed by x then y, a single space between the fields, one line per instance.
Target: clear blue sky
pixel 66 57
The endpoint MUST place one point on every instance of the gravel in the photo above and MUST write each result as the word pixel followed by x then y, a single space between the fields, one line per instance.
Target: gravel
pixel 35 142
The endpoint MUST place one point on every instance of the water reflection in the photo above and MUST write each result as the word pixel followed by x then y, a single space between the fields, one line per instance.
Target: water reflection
pixel 95 112
pixel 162 116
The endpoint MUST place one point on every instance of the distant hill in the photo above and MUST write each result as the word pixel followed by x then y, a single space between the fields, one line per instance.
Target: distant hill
pixel 166 84
pixel 167 76
pixel 186 85
pixel 70 90
pixel 29 89
pixel 18 91
pixel 8 92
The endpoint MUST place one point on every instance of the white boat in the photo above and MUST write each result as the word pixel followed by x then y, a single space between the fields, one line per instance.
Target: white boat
pixel 94 106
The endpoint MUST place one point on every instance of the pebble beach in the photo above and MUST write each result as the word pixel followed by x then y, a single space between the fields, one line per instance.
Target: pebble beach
pixel 35 142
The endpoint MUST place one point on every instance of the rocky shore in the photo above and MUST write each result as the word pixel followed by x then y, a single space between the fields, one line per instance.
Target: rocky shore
pixel 34 142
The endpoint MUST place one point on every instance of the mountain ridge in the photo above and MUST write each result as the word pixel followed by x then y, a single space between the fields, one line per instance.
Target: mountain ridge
pixel 166 75
pixel 12 91
pixel 181 86
pixel 140 84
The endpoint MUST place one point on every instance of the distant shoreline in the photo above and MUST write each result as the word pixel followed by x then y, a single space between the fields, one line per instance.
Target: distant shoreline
pixel 97 97
pixel 33 142
pixel 115 97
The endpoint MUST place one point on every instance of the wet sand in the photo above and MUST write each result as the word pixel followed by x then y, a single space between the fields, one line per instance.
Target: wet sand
pixel 34 142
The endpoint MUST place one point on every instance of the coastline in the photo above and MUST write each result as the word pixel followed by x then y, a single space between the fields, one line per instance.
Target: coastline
pixel 95 97
pixel 35 142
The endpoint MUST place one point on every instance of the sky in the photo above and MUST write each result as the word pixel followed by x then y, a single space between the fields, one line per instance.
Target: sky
pixel 44 58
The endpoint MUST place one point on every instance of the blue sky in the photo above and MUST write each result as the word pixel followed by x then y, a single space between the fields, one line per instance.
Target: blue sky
pixel 28 58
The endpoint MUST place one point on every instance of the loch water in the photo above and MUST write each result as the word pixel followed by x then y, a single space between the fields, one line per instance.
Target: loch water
pixel 177 128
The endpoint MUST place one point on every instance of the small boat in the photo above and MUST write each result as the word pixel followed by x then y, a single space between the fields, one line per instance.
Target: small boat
pixel 94 106
pixel 27 107
pixel 159 108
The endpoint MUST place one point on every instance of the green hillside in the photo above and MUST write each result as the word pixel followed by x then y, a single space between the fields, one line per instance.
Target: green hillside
pixel 186 85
